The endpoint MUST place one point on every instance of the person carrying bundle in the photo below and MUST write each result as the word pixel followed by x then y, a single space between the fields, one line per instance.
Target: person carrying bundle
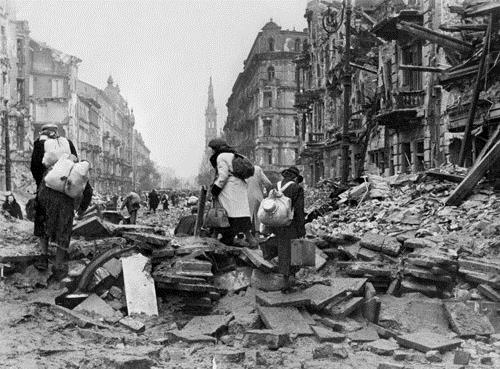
pixel 57 195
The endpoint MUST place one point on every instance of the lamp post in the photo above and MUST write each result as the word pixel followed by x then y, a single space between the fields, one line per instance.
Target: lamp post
pixel 331 24
pixel 5 126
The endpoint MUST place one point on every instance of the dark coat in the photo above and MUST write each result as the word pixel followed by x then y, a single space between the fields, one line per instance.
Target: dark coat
pixel 13 208
pixel 154 200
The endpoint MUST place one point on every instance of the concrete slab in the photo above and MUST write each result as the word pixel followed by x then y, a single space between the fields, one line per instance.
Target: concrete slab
pixel 327 335
pixel 465 321
pixel 382 347
pixel 189 337
pixel 284 319
pixel 113 266
pixel 91 228
pixel 132 324
pixel 256 258
pixel 94 304
pixel 347 307
pixel 140 290
pixel 364 335
pixel 209 325
pixel 428 341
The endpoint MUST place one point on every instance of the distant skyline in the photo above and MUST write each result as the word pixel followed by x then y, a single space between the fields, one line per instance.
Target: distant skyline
pixel 162 54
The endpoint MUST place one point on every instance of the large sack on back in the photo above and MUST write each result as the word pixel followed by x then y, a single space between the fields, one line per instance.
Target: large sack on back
pixel 77 179
pixel 54 149
pixel 57 176
pixel 242 167
pixel 276 209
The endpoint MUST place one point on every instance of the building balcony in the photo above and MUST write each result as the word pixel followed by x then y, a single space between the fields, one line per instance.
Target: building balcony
pixel 304 99
pixel 276 139
pixel 458 114
pixel 406 110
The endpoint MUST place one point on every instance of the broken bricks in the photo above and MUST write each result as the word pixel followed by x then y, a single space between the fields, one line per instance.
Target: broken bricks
pixel 465 321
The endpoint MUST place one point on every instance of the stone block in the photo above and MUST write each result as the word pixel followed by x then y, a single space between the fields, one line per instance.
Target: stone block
pixel 114 267
pixel 465 321
pixel 132 324
pixel 327 335
pixel 382 347
pixel 461 357
pixel 346 308
pixel 489 292
pixel 95 305
pixel 229 356
pixel 284 319
pixel 271 338
pixel 434 356
pixel 372 241
pixel 328 351
pixel 267 281
pixel 390 366
pixel 364 335
pixel 256 258
pixel 91 228
pixel 189 337
pixel 194 268
pixel 367 255
pixel 235 280
pixel 418 243
pixel 427 341
pixel 210 325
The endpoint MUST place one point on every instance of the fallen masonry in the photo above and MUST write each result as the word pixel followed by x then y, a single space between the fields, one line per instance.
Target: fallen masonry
pixel 396 276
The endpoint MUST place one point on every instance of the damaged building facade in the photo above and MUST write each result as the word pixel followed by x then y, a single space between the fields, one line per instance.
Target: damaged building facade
pixel 41 86
pixel 262 122
pixel 413 68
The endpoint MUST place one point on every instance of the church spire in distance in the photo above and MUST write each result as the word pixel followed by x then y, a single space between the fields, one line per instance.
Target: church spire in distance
pixel 210 115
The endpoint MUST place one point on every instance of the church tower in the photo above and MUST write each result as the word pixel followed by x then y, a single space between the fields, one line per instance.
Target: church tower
pixel 210 116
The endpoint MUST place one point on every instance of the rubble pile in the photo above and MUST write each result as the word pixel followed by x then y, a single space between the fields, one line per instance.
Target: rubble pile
pixel 410 242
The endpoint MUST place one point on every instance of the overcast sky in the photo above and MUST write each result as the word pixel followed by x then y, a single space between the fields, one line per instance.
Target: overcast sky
pixel 161 53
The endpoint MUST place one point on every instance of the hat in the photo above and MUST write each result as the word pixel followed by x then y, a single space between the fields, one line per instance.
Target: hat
pixel 49 126
pixel 217 143
pixel 293 171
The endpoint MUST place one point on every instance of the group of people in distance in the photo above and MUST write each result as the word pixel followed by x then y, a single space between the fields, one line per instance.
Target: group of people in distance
pixel 241 199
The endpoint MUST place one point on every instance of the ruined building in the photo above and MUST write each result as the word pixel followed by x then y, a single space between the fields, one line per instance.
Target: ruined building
pixel 262 122
pixel 413 70
pixel 41 86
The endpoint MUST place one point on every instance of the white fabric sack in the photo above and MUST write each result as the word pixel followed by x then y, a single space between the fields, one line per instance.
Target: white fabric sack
pixel 54 148
pixel 77 179
pixel 276 210
pixel 57 176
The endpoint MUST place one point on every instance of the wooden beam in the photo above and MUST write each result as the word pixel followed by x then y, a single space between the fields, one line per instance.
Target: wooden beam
pixel 201 211
pixel 489 143
pixel 366 69
pixel 421 68
pixel 465 147
pixel 436 37
pixel 463 27
pixel 475 174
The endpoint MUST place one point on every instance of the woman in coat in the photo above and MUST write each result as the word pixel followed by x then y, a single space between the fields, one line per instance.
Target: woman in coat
pixel 281 244
pixel 256 185
pixel 54 210
pixel 231 192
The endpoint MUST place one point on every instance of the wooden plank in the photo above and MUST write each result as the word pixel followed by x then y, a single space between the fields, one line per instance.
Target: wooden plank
pixel 140 290
pixel 421 68
pixel 475 174
pixel 489 143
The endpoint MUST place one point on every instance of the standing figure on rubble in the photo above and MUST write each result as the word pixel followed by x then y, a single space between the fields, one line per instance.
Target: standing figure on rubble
pixel 281 244
pixel 231 192
pixel 54 210
pixel 154 200
pixel 133 203
pixel 256 185
pixel 164 201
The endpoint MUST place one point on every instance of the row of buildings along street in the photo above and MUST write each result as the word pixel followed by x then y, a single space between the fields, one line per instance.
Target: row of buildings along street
pixel 40 86
pixel 410 77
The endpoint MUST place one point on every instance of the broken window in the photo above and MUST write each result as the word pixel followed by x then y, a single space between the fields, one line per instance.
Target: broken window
pixel 270 73
pixel 269 155
pixel 270 43
pixel 20 90
pixel 419 155
pixel 267 126
pixel 57 87
pixel 412 55
pixel 297 126
pixel 268 99
pixel 20 134
pixel 297 45
pixel 406 157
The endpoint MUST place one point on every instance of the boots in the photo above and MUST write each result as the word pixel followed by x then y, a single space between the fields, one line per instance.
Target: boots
pixel 253 242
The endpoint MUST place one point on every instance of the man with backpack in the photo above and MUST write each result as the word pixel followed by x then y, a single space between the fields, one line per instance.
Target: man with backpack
pixel 292 228
pixel 230 190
